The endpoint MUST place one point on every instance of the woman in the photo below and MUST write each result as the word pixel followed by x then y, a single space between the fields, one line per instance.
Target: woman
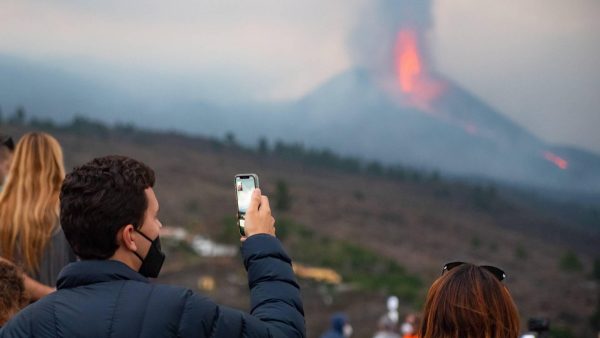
pixel 30 234
pixel 469 301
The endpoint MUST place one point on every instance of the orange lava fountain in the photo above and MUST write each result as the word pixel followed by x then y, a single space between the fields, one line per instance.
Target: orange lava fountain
pixel 417 86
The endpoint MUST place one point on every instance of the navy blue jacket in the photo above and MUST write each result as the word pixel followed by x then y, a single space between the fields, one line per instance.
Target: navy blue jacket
pixel 108 299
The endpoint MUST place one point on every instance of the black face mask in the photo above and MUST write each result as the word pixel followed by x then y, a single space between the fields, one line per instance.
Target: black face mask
pixel 154 258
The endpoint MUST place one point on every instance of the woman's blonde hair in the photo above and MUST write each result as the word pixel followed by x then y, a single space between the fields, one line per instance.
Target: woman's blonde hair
pixel 29 201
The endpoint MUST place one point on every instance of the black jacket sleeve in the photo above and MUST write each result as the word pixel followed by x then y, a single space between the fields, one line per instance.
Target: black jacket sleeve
pixel 276 307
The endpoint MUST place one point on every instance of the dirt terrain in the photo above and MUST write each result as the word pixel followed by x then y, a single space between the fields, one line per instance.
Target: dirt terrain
pixel 418 225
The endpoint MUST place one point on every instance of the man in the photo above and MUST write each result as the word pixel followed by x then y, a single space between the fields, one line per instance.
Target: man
pixel 109 214
pixel 7 147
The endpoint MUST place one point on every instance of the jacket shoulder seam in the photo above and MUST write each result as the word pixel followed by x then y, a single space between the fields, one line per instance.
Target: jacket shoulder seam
pixel 112 317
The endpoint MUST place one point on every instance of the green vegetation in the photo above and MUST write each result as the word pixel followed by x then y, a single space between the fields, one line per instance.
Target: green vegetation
pixel 282 197
pixel 484 198
pixel 475 242
pixel 570 262
pixel 520 252
pixel 559 332
pixel 19 117
pixel 358 266
pixel 230 140
pixel 82 125
pixel 263 146
pixel 596 270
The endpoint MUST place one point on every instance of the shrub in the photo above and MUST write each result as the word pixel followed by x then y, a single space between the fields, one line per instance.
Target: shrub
pixel 570 262
pixel 283 199
pixel 520 252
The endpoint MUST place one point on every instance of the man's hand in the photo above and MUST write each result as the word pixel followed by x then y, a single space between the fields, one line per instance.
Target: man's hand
pixel 258 218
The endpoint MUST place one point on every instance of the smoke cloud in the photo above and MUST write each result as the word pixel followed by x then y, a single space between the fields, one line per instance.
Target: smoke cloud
pixel 373 40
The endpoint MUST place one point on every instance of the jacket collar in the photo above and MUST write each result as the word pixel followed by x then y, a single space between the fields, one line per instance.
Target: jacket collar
pixel 95 271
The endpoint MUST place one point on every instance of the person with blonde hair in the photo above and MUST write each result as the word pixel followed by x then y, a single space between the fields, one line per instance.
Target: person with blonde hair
pixel 30 234
pixel 469 301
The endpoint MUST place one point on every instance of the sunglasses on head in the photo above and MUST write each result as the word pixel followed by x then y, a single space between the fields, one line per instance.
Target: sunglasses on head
pixel 7 142
pixel 498 273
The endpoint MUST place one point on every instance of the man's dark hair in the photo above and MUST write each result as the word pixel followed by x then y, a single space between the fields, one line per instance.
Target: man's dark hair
pixel 100 197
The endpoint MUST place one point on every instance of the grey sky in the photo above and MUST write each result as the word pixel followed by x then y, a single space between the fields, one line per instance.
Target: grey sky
pixel 535 60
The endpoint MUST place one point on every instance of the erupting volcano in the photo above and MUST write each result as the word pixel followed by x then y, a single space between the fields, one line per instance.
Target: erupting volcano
pixel 441 99
pixel 394 106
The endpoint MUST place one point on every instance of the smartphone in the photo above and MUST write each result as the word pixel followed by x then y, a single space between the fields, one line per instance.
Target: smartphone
pixel 244 186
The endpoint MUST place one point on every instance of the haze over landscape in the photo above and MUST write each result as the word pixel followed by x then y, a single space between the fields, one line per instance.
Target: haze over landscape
pixel 442 130
pixel 540 70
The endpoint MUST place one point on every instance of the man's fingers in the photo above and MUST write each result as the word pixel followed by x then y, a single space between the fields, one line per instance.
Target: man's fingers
pixel 264 204
pixel 254 200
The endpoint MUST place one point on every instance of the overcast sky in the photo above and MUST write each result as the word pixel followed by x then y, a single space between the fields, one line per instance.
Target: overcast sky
pixel 537 61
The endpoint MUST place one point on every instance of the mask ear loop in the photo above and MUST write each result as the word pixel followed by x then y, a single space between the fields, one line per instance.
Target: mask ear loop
pixel 141 233
pixel 147 238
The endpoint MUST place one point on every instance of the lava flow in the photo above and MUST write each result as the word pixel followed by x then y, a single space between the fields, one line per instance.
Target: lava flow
pixel 557 160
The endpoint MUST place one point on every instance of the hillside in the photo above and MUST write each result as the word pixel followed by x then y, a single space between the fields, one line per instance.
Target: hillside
pixel 459 133
pixel 383 233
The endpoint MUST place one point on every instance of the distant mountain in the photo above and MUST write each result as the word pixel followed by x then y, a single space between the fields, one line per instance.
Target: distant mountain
pixel 52 92
pixel 460 135
pixel 48 91
pixel 350 114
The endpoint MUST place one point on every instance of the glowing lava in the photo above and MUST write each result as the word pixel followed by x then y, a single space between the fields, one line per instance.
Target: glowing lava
pixel 409 63
pixel 557 160
pixel 419 88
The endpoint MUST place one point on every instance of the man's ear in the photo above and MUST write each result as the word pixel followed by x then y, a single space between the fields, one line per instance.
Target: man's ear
pixel 125 237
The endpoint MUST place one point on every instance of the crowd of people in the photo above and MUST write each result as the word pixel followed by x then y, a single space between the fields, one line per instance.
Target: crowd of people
pixel 77 251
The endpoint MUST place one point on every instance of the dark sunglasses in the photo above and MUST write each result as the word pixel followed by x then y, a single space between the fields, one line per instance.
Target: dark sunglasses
pixel 7 141
pixel 498 273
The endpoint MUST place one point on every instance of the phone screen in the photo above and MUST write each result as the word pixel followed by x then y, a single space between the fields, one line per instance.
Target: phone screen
pixel 244 186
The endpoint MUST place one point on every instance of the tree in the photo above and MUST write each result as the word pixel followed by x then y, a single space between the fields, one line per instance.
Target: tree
pixel 263 146
pixel 18 117
pixel 283 199
pixel 374 168
pixel 230 140
pixel 596 269
pixel 570 262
